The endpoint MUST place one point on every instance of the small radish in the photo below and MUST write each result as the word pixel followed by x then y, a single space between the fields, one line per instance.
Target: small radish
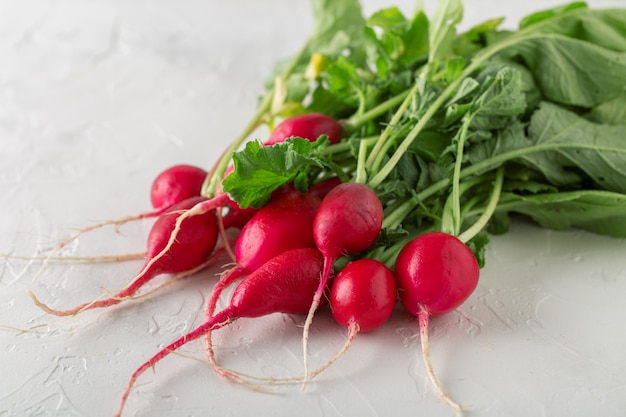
pixel 436 272
pixel 307 126
pixel 362 298
pixel 310 127
pixel 285 223
pixel 176 184
pixel 270 231
pixel 363 295
pixel 282 224
pixel 284 284
pixel 195 242
pixel 348 221
pixel 170 187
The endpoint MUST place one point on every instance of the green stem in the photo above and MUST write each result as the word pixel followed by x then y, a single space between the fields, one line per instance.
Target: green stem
pixel 482 221
pixel 456 177
pixel 395 219
pixel 361 174
pixel 357 120
pixel 478 60
pixel 390 126
pixel 210 185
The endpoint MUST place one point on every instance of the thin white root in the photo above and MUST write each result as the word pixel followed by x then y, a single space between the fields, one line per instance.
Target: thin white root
pixel 423 317
pixel 183 214
pixel 238 375
pixel 229 375
pixel 326 272
pixel 78 259
pixel 305 341
pixel 227 245
pixel 352 332
pixel 182 275
pixel 116 223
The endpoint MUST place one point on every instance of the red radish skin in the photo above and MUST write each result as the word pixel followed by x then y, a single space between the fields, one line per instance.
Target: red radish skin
pixel 221 199
pixel 363 295
pixel 362 298
pixel 436 272
pixel 307 126
pixel 284 284
pixel 348 221
pixel 270 231
pixel 285 223
pixel 176 184
pixel 195 242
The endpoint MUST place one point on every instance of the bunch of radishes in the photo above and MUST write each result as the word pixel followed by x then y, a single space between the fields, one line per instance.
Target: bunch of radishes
pixel 286 252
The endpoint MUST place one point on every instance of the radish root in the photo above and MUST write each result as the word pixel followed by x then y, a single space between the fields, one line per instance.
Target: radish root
pixel 423 317
pixel 198 209
pixel 74 311
pixel 328 265
pixel 117 223
pixel 78 259
pixel 238 376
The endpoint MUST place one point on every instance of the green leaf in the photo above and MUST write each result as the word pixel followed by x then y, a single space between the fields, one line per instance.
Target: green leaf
pixel 501 98
pixel 603 162
pixel 416 42
pixel 350 83
pixel 601 27
pixel 442 30
pixel 335 18
pixel 476 37
pixel 556 63
pixel 550 13
pixel 597 211
pixel 610 112
pixel 389 19
pixel 259 170
pixel 478 245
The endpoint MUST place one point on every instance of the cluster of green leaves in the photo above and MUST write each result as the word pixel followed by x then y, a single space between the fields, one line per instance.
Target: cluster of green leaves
pixel 448 126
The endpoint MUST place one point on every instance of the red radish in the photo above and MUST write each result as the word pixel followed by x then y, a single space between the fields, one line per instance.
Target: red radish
pixel 285 223
pixel 315 124
pixel 282 224
pixel 362 298
pixel 284 284
pixel 233 207
pixel 176 184
pixel 363 295
pixel 436 273
pixel 307 126
pixel 195 241
pixel 348 221
pixel 170 187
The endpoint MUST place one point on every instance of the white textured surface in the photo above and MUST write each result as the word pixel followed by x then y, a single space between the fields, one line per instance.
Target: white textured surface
pixel 96 97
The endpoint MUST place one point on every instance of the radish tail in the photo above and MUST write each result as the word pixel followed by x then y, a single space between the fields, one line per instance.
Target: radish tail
pixel 80 232
pixel 79 259
pixel 225 317
pixel 126 292
pixel 199 209
pixel 224 282
pixel 317 297
pixel 353 329
pixel 423 318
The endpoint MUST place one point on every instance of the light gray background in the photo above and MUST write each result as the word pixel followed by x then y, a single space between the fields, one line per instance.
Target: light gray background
pixel 96 97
